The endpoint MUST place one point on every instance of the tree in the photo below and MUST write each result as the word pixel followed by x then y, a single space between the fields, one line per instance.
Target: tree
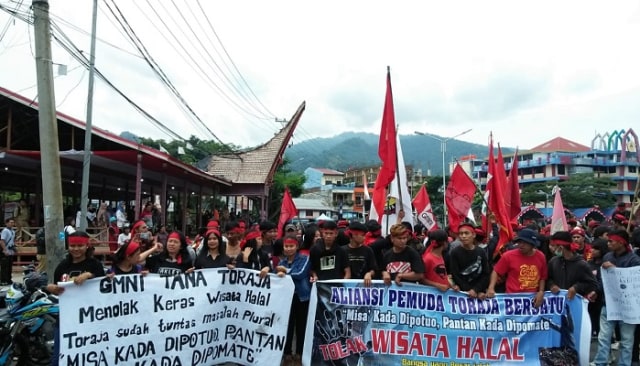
pixel 283 177
pixel 199 149
pixel 580 191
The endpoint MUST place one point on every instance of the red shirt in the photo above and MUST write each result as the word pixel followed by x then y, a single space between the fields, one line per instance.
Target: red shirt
pixel 523 272
pixel 434 268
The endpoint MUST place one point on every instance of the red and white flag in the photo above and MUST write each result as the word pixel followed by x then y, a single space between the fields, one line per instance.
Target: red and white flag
pixel 423 209
pixel 387 151
pixel 558 218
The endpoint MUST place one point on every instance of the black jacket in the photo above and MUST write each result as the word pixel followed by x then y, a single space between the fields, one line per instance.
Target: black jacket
pixel 574 272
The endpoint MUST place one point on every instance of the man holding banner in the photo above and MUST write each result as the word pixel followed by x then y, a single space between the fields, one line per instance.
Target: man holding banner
pixel 525 268
pixel 620 255
pixel 401 263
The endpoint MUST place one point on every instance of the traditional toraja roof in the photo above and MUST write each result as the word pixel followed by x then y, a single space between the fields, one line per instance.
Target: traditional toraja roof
pixel 560 144
pixel 531 210
pixel 582 213
pixel 255 166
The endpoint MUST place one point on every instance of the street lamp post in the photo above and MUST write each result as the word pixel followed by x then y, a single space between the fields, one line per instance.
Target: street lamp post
pixel 443 149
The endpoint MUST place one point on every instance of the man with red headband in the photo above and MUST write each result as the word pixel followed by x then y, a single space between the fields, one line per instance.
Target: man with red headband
pixel 569 271
pixel 579 237
pixel 619 255
pixel 361 259
pixel 435 272
pixel 469 263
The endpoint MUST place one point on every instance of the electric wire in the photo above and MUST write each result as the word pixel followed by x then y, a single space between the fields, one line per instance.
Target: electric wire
pixel 225 77
pixel 156 68
pixel 231 59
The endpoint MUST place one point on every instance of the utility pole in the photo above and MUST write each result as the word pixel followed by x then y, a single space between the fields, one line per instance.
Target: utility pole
pixel 86 165
pixel 48 131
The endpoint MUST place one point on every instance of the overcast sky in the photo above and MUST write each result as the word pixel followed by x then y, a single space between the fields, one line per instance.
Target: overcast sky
pixel 527 70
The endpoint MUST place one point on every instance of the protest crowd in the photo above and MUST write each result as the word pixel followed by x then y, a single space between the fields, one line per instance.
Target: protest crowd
pixel 464 258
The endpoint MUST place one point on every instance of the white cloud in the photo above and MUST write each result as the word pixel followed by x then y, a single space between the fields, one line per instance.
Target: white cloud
pixel 529 71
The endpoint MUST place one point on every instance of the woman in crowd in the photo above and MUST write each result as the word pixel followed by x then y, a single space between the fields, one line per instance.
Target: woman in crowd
pixel 127 259
pixel 253 257
pixel 140 233
pixel 213 254
pixel 78 266
pixel 174 259
pixel 297 266
pixel 311 236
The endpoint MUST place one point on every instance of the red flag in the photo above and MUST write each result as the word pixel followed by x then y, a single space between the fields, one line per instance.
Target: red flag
pixel 496 182
pixel 288 210
pixel 459 196
pixel 387 151
pixel 423 209
pixel 558 218
pixel 514 203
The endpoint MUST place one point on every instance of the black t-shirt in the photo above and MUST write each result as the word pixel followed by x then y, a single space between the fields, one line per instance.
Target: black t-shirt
pixel 379 247
pixel 166 267
pixel 117 270
pixel 328 264
pixel 361 261
pixel 205 260
pixel 404 262
pixel 470 268
pixel 67 270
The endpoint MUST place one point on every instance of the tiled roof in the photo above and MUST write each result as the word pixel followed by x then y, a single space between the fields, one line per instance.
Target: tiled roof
pixel 256 165
pixel 326 171
pixel 560 144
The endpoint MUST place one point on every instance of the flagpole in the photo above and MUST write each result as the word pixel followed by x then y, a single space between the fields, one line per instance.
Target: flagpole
pixel 398 175
pixel 635 203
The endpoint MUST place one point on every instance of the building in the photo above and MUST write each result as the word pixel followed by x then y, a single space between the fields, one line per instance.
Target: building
pixel 611 155
pixel 318 177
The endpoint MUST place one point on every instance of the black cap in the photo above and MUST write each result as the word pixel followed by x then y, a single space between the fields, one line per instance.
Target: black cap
pixel 357 226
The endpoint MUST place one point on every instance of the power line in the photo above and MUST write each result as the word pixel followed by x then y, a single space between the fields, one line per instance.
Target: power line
pixel 229 57
pixel 230 83
pixel 185 51
pixel 156 68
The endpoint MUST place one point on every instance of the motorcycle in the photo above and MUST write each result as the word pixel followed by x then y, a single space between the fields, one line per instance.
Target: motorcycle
pixel 28 322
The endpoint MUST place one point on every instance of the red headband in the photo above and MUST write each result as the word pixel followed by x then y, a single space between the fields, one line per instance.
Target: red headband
pixel 252 235
pixel 137 225
pixel 571 245
pixel 237 230
pixel 618 238
pixel 290 241
pixel 473 228
pixel 211 231
pixel 174 235
pixel 78 240
pixel 131 248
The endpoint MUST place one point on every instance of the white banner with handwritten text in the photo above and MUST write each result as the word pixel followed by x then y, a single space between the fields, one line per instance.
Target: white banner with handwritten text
pixel 207 317
pixel 621 287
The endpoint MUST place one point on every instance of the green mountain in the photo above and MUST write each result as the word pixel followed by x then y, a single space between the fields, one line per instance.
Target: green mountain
pixel 351 149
